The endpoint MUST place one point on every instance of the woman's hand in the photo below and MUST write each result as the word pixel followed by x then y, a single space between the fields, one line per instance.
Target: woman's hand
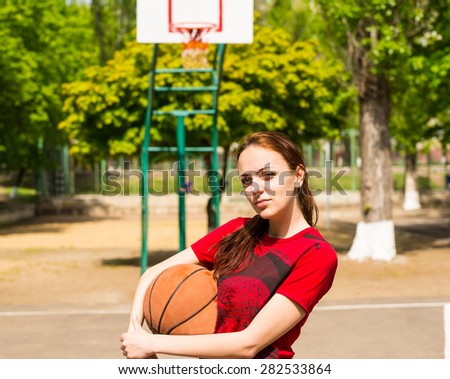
pixel 137 343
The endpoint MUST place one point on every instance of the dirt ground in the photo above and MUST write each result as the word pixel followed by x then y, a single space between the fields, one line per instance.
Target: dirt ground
pixel 73 261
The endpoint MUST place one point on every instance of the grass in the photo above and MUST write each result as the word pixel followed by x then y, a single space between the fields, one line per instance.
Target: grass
pixel 164 182
pixel 341 180
pixel 23 194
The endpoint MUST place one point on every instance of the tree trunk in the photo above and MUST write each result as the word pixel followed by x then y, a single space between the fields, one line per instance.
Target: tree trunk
pixel 210 211
pixel 411 200
pixel 447 166
pixel 375 236
pixel 97 12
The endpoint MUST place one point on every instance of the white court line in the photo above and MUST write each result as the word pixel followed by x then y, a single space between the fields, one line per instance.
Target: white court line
pixel 447 331
pixel 80 312
pixel 347 307
pixel 446 313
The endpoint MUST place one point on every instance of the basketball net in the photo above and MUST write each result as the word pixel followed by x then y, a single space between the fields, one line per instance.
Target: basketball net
pixel 195 46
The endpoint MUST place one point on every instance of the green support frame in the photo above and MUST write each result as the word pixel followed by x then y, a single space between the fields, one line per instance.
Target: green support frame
pixel 181 148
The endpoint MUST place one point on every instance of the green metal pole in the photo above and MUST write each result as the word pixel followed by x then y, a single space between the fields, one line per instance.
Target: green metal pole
pixel 40 181
pixel 309 154
pixel 97 177
pixel 181 143
pixel 102 172
pixel 215 175
pixel 215 137
pixel 144 164
pixel 66 170
pixel 144 210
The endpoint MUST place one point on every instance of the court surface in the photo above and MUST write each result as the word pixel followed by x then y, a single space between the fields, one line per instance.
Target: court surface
pixel 402 330
pixel 67 284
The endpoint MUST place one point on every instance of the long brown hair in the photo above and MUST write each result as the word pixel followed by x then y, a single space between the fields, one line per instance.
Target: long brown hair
pixel 236 250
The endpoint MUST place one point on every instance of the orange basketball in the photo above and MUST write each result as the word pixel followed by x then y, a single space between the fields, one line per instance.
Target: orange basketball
pixel 182 300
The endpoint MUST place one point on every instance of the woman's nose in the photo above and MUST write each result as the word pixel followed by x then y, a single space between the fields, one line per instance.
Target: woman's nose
pixel 257 186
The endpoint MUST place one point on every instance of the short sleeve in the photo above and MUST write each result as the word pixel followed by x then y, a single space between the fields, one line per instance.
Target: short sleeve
pixel 311 277
pixel 205 249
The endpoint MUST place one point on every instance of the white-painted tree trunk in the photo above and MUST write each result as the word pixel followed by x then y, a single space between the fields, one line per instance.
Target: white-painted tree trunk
pixel 375 235
pixel 14 192
pixel 411 201
pixel 374 240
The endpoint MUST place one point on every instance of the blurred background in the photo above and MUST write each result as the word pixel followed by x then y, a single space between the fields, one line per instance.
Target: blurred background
pixel 352 83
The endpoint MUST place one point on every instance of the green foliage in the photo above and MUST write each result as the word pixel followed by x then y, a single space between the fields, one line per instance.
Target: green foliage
pixel 290 87
pixel 384 31
pixel 43 44
pixel 420 107
pixel 406 43
pixel 272 84
pixel 280 13
pixel 105 111
pixel 112 20
pixel 294 16
pixel 421 84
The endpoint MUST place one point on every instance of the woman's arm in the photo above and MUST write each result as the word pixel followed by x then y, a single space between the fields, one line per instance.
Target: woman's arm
pixel 184 257
pixel 276 318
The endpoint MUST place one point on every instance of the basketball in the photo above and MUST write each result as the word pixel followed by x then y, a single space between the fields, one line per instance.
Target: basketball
pixel 182 300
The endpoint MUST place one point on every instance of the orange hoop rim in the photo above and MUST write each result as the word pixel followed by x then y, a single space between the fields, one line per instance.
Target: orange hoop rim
pixel 205 27
pixel 195 33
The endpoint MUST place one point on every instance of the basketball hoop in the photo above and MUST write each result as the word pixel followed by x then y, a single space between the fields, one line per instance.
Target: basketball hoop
pixel 195 45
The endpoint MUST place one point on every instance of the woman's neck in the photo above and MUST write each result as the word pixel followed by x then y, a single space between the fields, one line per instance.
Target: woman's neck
pixel 287 227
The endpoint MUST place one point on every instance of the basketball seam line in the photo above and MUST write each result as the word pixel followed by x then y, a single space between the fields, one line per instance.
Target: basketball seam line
pixel 192 316
pixel 172 295
pixel 150 303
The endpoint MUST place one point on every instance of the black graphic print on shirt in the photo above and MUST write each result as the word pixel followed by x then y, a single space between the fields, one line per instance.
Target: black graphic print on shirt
pixel 241 295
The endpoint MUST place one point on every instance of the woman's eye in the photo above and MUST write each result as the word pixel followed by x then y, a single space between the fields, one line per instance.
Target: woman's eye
pixel 268 175
pixel 246 181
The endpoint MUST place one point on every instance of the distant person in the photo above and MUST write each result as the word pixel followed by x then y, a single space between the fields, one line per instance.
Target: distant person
pixel 186 187
pixel 271 269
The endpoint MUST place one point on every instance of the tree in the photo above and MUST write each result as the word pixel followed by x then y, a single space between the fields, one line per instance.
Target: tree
pixel 271 84
pixel 113 20
pixel 106 109
pixel 294 16
pixel 44 44
pixel 376 36
pixel 418 118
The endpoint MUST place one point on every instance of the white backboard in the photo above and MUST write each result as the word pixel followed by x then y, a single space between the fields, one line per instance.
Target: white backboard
pixel 232 20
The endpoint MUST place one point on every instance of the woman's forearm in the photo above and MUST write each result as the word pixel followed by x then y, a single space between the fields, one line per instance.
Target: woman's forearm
pixel 226 345
pixel 277 317
pixel 138 300
pixel 140 344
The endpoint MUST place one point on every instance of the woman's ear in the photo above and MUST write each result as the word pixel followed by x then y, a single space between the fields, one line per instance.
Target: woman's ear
pixel 299 175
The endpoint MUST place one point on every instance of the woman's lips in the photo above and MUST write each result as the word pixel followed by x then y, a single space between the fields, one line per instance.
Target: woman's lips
pixel 262 202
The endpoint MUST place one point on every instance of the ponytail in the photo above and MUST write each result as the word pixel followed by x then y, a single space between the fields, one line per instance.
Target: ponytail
pixel 237 250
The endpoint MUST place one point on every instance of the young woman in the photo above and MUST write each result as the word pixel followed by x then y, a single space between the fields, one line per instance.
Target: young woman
pixel 271 269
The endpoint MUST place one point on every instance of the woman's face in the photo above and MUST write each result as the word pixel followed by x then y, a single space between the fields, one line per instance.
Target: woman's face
pixel 268 181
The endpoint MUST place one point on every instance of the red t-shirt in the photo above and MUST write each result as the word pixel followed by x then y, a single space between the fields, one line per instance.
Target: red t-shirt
pixel 301 267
